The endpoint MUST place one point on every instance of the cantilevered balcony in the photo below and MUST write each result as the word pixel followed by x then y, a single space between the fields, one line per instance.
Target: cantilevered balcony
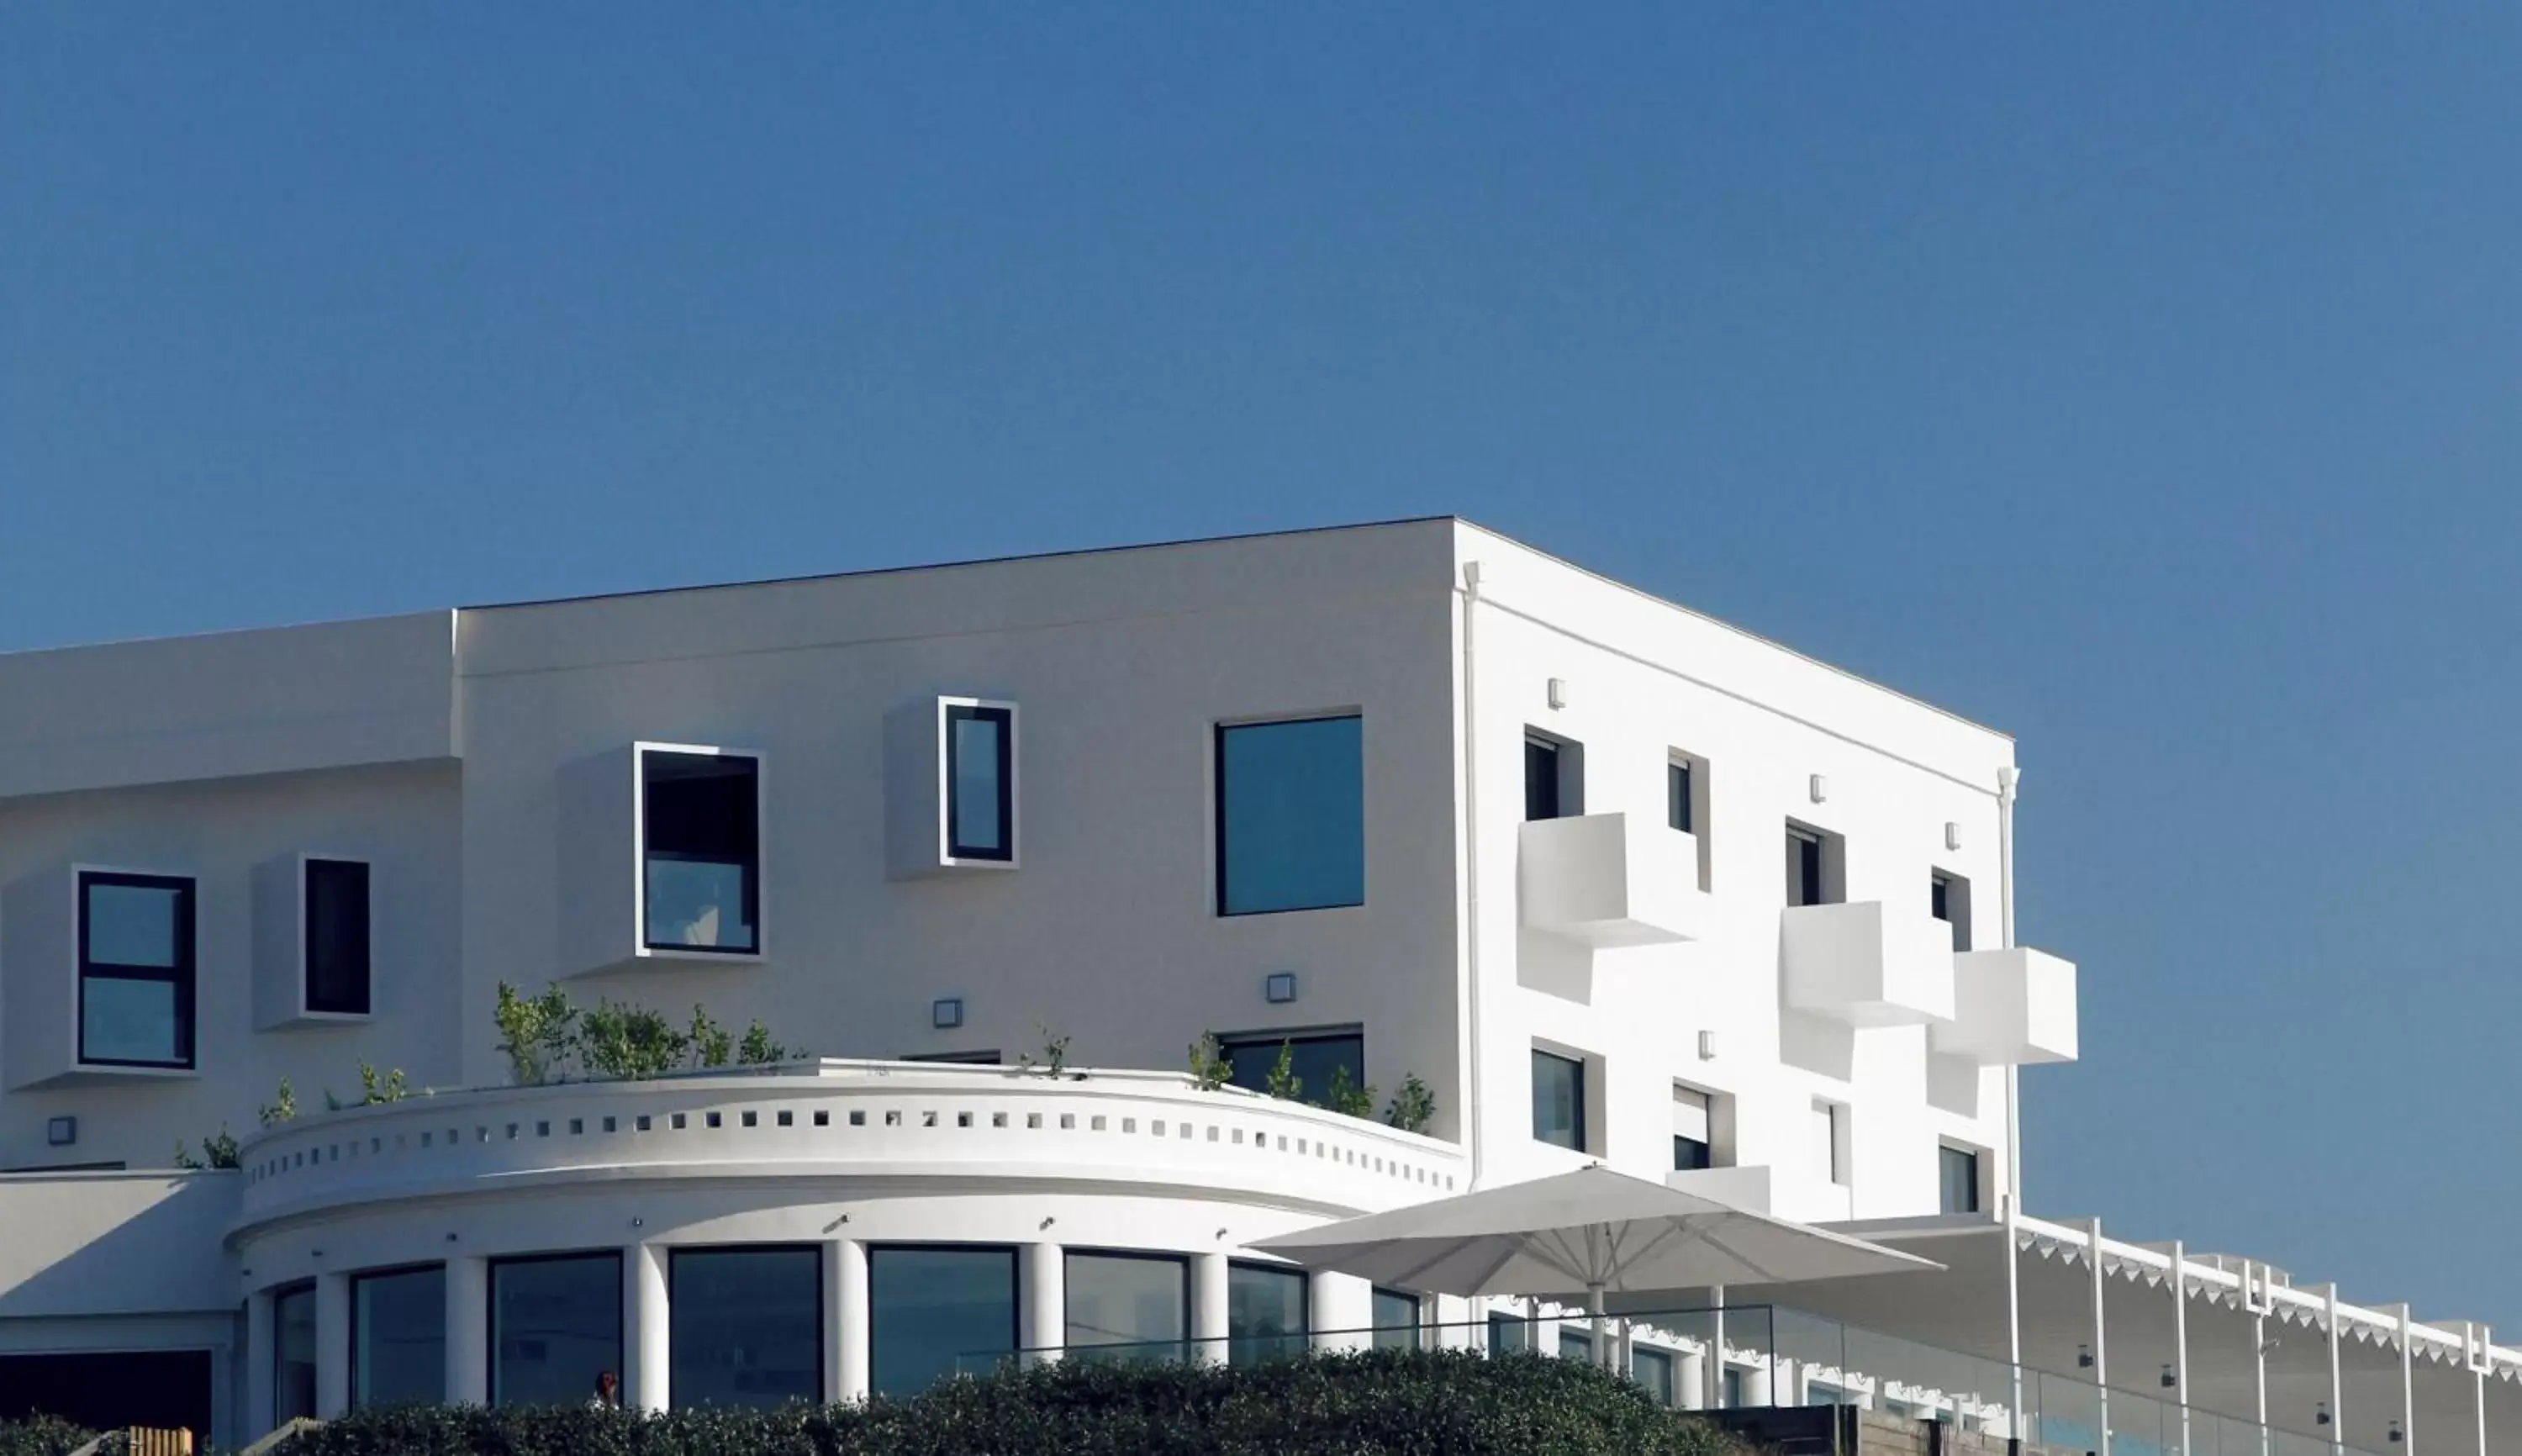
pixel 1610 879
pixel 2012 1008
pixel 1868 963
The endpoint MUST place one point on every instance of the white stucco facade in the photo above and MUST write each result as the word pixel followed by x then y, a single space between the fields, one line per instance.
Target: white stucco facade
pixel 483 764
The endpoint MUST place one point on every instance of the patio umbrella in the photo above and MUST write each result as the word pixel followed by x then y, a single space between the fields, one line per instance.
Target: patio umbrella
pixel 1593 1230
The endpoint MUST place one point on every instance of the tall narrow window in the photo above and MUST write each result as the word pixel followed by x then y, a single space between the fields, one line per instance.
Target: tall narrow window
pixel 1541 770
pixel 938 1311
pixel 135 959
pixel 1678 811
pixel 1958 1174
pixel 1830 1140
pixel 399 1338
pixel 336 936
pixel 980 782
pixel 555 1326
pixel 1692 1144
pixel 1290 816
pixel 702 838
pixel 293 1352
pixel 1558 1099
pixel 1948 900
pixel 1265 1312
pixel 1816 865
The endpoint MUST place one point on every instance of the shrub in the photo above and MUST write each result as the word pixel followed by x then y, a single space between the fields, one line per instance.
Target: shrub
pixel 49 1435
pixel 1377 1403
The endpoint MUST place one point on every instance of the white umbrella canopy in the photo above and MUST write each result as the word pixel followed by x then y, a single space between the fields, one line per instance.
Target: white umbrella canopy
pixel 1592 1230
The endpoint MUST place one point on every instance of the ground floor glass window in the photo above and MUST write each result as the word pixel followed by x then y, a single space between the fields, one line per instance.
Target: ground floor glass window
pixel 293 1352
pixel 1137 1303
pixel 933 1312
pixel 1653 1370
pixel 745 1326
pixel 556 1326
pixel 1396 1320
pixel 399 1336
pixel 1265 1313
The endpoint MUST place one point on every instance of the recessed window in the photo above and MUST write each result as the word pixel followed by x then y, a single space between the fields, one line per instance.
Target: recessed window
pixel 1396 1320
pixel 555 1326
pixel 1314 1058
pixel 936 1311
pixel 1679 810
pixel 1575 1344
pixel 293 1352
pixel 1290 816
pixel 1816 865
pixel 980 782
pixel 337 943
pixel 701 835
pixel 1957 1170
pixel 399 1338
pixel 1830 1140
pixel 1554 777
pixel 1558 1099
pixel 1127 1306
pixel 1265 1312
pixel 135 959
pixel 1509 1333
pixel 1948 900
pixel 1693 1138
pixel 744 1326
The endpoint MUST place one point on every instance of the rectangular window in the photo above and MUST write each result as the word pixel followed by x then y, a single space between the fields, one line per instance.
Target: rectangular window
pixel 1575 1344
pixel 293 1352
pixel 1959 1169
pixel 1815 865
pixel 980 782
pixel 336 936
pixel 936 1311
pixel 1128 1306
pixel 1693 1143
pixel 399 1338
pixel 135 961
pixel 1290 816
pixel 1265 1312
pixel 1654 1370
pixel 1558 1099
pixel 1729 1389
pixel 701 833
pixel 1830 1140
pixel 1948 900
pixel 555 1326
pixel 1678 811
pixel 1509 1333
pixel 745 1326
pixel 1315 1058
pixel 1396 1320
pixel 1540 777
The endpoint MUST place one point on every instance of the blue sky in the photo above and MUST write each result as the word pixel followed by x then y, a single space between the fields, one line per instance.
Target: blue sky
pixel 2141 378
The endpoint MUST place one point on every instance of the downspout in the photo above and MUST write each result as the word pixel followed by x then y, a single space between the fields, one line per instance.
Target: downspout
pixel 2009 780
pixel 1473 1098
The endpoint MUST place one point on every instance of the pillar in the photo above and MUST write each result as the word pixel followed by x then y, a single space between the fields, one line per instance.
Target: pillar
pixel 2101 1334
pixel 468 1332
pixel 646 1375
pixel 846 1376
pixel 1339 1308
pixel 1693 1379
pixel 1042 1274
pixel 258 1360
pixel 332 1346
pixel 1208 1322
pixel 2408 1385
pixel 2181 1337
pixel 1759 1388
pixel 2337 1410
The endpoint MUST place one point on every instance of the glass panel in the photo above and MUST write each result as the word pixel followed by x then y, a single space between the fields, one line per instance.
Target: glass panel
pixel 1960 1178
pixel 1653 1370
pixel 292 1353
pixel 1311 1059
pixel 1688 1154
pixel 1128 1299
pixel 977 763
pixel 745 1326
pixel 1676 796
pixel 928 1307
pixel 1540 778
pixel 1292 815
pixel 124 1020
pixel 556 1326
pixel 703 845
pixel 1396 1320
pixel 399 1338
pixel 1575 1344
pixel 1509 1334
pixel 133 924
pixel 336 936
pixel 1265 1313
pixel 1803 869
pixel 1557 1100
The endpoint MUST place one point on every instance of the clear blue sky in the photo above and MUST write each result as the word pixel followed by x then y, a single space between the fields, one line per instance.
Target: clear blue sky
pixel 2144 380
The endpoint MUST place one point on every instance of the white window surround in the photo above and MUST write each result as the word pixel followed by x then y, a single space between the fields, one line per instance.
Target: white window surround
pixel 639 752
pixel 39 924
pixel 603 886
pixel 920 794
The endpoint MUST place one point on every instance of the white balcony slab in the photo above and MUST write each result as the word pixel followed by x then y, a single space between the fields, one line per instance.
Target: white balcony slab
pixel 1610 879
pixel 2012 1008
pixel 1868 963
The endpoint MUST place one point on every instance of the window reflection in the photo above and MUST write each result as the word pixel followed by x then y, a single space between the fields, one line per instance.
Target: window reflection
pixel 703 843
pixel 399 1338
pixel 293 1352
pixel 1140 1303
pixel 933 1312
pixel 1290 816
pixel 555 1326
pixel 1265 1313
pixel 746 1326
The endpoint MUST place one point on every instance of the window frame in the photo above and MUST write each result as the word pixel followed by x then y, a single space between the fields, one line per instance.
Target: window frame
pixel 385 1272
pixel 1267 1040
pixel 1953 889
pixel 1416 1329
pixel 1837 1170
pixel 306 1007
pixel 1566 776
pixel 279 1347
pixel 1015 1289
pixel 1220 887
pixel 1830 865
pixel 822 1317
pixel 1302 1336
pixel 491 1308
pixel 1190 1339
pixel 1584 1119
pixel 953 853
pixel 1699 808
pixel 184 976
pixel 756 893
pixel 1948 1150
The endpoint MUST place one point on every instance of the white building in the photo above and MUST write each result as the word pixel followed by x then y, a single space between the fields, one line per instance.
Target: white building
pixel 1610 879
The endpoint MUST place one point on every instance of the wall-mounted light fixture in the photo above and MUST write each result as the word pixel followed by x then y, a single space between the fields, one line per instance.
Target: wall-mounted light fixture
pixel 2397 1434
pixel 1952 835
pixel 60 1132
pixel 1820 789
pixel 1558 692
pixel 2083 1357
pixel 946 1012
pixel 1708 1046
pixel 2171 1381
pixel 2320 1413
pixel 1279 987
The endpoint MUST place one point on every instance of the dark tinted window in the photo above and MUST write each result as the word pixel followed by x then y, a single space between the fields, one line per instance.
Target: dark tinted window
pixel 702 838
pixel 157 1389
pixel 1676 797
pixel 1540 778
pixel 980 783
pixel 1137 1304
pixel 1653 1370
pixel 336 936
pixel 1803 869
pixel 555 1326
pixel 1314 1059
pixel 399 1338
pixel 938 1312
pixel 1290 816
pixel 1396 1320
pixel 1948 900
pixel 746 1326
pixel 135 935
pixel 1558 1099
pixel 293 1352
pixel 1689 1155
pixel 1960 1168
pixel 1265 1313
pixel 1509 1333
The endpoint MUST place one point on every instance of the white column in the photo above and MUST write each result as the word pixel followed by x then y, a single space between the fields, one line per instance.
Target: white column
pixel 1338 1302
pixel 2408 1386
pixel 258 1361
pixel 2337 1411
pixel 468 1332
pixel 2181 1337
pixel 1208 1309
pixel 845 1305
pixel 1716 1348
pixel 1041 1269
pixel 1693 1380
pixel 332 1345
pixel 647 1376
pixel 2019 1429
pixel 2101 1350
pixel 2255 1294
pixel 2479 1365
pixel 1759 1388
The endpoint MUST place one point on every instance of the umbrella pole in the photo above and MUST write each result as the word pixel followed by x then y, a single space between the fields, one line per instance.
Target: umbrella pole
pixel 1594 1307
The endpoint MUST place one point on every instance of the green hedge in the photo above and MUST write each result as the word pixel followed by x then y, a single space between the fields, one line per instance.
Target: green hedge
pixel 1380 1403
pixel 44 1436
